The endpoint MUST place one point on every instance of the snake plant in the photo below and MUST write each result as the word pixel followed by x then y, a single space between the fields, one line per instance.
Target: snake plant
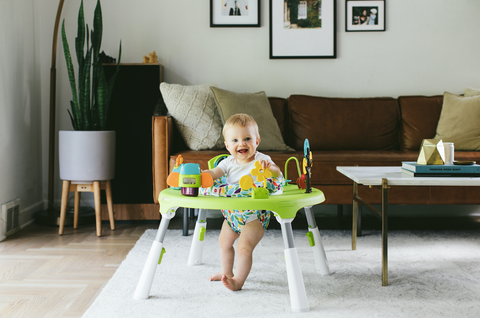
pixel 89 107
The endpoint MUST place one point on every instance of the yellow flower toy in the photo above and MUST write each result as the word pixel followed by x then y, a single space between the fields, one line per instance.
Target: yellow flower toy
pixel 246 182
pixel 261 174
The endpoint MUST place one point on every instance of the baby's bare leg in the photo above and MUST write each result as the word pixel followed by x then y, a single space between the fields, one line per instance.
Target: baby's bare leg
pixel 227 253
pixel 252 233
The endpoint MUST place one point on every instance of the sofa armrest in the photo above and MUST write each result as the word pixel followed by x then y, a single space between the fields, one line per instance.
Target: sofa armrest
pixel 162 136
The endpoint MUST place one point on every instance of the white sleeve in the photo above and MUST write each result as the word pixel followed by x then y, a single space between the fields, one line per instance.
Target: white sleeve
pixel 260 155
pixel 224 164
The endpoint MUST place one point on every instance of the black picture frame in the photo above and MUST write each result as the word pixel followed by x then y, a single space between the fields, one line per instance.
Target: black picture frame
pixel 234 13
pixel 303 31
pixel 359 13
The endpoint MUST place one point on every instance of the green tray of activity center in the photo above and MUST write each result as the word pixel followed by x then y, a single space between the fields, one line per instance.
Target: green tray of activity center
pixel 284 205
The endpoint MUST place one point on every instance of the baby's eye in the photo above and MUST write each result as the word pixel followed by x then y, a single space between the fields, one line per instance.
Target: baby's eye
pixel 248 139
pixel 235 140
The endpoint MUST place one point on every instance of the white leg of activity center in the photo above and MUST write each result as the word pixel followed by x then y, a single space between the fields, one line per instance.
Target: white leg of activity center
pixel 319 255
pixel 296 286
pixel 153 260
pixel 196 250
pixel 315 240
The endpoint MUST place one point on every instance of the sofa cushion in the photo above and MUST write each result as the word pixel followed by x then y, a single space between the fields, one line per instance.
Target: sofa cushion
pixel 195 113
pixel 343 123
pixel 256 105
pixel 458 121
pixel 419 119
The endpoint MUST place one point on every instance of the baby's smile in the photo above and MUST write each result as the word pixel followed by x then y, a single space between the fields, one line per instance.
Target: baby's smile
pixel 242 151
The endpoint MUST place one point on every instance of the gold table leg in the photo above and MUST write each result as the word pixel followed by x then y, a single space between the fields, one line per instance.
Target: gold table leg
pixel 382 215
pixel 354 218
pixel 384 232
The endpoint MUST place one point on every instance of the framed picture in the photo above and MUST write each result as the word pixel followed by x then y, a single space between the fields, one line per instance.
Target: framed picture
pixel 364 15
pixel 302 29
pixel 234 13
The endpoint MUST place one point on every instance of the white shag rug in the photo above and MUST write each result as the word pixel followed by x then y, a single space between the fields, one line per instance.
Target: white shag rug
pixel 431 274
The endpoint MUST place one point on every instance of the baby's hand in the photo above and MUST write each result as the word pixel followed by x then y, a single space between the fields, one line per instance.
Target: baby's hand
pixel 265 164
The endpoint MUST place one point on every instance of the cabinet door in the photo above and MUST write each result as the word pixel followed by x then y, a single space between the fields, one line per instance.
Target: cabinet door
pixel 135 94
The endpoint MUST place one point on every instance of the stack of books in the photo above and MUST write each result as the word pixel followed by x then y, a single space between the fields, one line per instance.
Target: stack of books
pixel 413 169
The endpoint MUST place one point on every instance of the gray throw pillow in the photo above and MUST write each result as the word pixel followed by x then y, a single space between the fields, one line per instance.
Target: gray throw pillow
pixel 195 113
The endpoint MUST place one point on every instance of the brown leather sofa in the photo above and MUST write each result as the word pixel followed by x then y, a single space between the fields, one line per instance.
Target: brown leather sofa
pixel 342 132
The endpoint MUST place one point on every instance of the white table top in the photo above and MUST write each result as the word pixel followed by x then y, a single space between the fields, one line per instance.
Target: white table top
pixel 373 176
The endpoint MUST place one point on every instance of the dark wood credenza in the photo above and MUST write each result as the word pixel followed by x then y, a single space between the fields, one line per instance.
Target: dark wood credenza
pixel 135 95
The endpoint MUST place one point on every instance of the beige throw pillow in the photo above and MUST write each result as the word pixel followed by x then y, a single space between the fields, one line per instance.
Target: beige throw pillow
pixel 460 121
pixel 256 105
pixel 195 113
pixel 469 92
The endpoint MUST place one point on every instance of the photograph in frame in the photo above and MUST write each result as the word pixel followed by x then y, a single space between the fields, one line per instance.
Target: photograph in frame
pixel 302 29
pixel 234 13
pixel 364 16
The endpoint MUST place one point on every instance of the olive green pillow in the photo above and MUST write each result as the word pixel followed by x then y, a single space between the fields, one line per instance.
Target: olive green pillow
pixel 256 105
pixel 460 121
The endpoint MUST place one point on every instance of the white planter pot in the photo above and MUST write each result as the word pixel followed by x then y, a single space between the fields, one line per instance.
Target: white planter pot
pixel 86 155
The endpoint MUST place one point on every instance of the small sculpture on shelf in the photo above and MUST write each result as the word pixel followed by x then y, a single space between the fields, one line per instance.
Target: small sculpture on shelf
pixel 151 58
pixel 104 58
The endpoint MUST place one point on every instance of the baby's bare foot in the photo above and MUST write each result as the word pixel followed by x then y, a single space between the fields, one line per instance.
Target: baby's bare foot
pixel 215 277
pixel 231 283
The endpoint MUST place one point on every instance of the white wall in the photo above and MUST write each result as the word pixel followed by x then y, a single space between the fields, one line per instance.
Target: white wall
pixel 20 129
pixel 429 47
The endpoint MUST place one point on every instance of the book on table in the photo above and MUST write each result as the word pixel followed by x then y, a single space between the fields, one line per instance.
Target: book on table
pixel 440 169
pixel 441 174
pixel 416 170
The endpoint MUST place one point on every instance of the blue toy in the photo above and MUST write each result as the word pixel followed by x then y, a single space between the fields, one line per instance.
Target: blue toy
pixel 188 178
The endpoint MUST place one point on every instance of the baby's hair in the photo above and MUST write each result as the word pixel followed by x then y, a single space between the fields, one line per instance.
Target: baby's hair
pixel 242 120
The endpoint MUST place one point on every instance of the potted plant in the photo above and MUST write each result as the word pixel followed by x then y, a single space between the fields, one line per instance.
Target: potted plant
pixel 88 152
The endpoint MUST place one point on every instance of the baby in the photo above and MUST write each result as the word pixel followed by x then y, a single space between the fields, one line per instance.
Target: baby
pixel 241 140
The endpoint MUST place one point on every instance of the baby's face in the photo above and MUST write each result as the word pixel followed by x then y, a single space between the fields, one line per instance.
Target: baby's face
pixel 242 143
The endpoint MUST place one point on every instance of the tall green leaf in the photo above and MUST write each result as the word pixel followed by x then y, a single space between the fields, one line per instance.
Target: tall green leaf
pixel 89 107
pixel 80 39
pixel 102 99
pixel 111 83
pixel 82 77
pixel 98 30
pixel 71 74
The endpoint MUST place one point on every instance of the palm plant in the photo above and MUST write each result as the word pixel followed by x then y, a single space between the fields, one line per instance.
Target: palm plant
pixel 89 107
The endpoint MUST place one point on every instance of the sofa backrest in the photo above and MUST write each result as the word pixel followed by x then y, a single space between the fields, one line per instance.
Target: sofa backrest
pixel 280 112
pixel 420 115
pixel 344 123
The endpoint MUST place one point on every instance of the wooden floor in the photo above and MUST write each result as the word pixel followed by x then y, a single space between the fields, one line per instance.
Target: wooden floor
pixel 43 274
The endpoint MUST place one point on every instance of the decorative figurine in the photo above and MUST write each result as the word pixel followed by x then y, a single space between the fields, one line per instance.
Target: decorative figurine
pixel 151 58
pixel 432 152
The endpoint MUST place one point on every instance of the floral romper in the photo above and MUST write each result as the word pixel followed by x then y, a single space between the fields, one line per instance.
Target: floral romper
pixel 236 219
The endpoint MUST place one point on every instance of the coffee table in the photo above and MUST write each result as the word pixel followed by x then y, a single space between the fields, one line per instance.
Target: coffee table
pixel 386 177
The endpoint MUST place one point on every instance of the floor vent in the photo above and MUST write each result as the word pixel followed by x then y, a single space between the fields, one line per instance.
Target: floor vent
pixel 10 218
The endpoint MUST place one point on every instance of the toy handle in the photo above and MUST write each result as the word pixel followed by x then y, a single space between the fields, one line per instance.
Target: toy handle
pixel 298 167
